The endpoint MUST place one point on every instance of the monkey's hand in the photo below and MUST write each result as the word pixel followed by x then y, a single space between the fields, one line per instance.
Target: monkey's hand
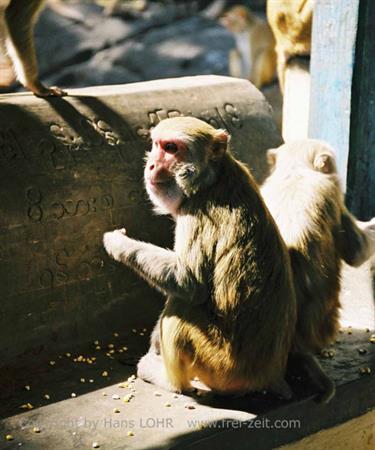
pixel 368 228
pixel 157 265
pixel 115 243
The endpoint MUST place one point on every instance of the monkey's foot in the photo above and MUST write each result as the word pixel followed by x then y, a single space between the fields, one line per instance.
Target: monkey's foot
pixel 151 368
pixel 38 89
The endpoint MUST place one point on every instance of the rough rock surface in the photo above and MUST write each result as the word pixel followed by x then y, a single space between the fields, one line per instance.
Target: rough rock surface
pixel 110 50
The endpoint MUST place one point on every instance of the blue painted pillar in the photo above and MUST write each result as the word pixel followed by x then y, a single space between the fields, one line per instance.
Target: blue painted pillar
pixel 331 68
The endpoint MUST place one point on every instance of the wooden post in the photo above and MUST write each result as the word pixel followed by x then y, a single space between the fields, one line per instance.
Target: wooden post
pixel 331 68
pixel 361 167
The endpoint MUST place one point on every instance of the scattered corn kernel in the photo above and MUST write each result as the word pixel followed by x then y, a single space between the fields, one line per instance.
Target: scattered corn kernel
pixel 365 370
pixel 134 330
pixel 362 351
pixel 120 350
pixel 112 351
pixel 68 355
pixel 131 378
pixel 46 396
pixel 116 410
pixel 27 387
pixel 115 397
pixel 128 397
pixel 328 353
pixel 36 430
pixel 105 374
pixel 91 380
pixel 80 358
pixel 82 380
pixel 9 437
pixel 111 346
pixel 189 406
pixel 52 363
pixel 115 334
pixel 104 394
pixel 130 433
pixel 27 406
pixel 123 385
pixel 157 394
pixel 93 358
pixel 141 333
pixel 144 330
pixel 98 347
pixel 124 348
pixel 167 404
pixel 372 339
pixel 175 396
pixel 95 445
pixel 73 395
pixel 96 342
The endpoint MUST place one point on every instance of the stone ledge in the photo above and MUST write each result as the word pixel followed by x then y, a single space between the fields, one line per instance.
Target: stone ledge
pixel 72 168
pixel 67 422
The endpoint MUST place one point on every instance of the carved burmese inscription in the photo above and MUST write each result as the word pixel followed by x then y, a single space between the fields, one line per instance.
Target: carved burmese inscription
pixel 70 183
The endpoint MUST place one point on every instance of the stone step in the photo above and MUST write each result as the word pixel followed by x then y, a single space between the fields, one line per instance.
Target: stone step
pixel 71 169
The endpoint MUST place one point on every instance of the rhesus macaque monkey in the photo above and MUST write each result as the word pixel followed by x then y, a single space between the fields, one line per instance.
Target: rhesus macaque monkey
pixel 291 24
pixel 254 57
pixel 304 196
pixel 17 24
pixel 230 313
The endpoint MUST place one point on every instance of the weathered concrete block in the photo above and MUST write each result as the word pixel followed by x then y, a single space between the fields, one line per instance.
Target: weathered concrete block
pixel 71 169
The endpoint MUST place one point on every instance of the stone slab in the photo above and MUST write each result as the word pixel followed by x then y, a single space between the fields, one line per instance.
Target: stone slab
pixel 71 169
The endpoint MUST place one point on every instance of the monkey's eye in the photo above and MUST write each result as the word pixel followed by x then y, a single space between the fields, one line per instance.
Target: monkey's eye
pixel 170 147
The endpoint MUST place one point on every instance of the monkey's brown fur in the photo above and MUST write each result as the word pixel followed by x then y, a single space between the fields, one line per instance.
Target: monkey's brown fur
pixel 254 57
pixel 230 314
pixel 304 196
pixel 291 24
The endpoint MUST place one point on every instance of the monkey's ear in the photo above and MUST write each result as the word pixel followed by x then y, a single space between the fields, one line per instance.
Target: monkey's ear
pixel 272 157
pixel 325 163
pixel 220 144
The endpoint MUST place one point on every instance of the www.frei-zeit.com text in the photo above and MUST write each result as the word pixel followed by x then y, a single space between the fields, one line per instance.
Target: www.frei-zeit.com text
pixel 171 423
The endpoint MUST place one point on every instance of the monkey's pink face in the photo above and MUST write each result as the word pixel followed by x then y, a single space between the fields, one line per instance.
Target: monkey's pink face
pixel 162 161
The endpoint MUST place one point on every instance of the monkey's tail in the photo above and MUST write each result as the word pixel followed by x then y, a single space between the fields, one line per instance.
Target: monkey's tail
pixel 319 377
